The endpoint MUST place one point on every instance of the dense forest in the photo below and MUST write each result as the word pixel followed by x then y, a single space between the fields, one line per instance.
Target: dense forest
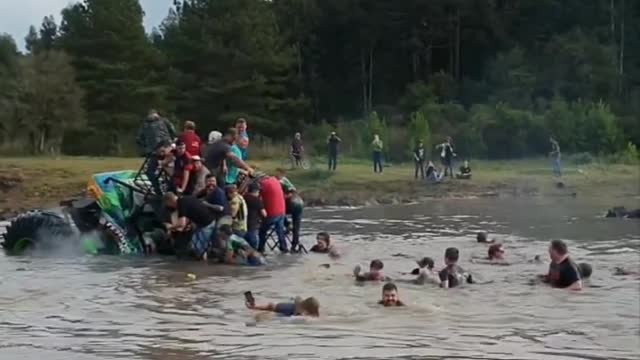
pixel 499 76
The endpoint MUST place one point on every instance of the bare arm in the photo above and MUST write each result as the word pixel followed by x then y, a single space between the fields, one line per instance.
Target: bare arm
pixel 185 180
pixel 239 163
pixel 263 213
pixel 266 307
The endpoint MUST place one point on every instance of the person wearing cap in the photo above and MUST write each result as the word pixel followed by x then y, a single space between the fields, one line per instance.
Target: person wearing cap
pixel 333 143
pixel 182 167
pixel 190 138
pixel 198 176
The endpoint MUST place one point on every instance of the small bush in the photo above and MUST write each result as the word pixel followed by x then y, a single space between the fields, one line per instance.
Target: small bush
pixel 583 158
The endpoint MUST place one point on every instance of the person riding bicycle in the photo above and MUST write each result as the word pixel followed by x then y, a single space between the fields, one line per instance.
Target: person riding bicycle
pixel 297 150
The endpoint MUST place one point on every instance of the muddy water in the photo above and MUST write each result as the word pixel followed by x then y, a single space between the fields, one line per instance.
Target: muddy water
pixel 116 308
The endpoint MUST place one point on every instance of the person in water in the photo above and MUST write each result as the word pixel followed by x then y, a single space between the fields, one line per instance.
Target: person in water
pixel 294 206
pixel 323 245
pixel 433 176
pixel 481 237
pixel 426 273
pixel 191 213
pixel 452 275
pixel 374 274
pixel 465 171
pixel 495 254
pixel 390 295
pixel 563 272
pixel 307 307
pixel 585 270
pixel 232 249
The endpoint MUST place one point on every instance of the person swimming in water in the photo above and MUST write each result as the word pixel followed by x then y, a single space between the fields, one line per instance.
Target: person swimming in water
pixel 426 273
pixel 390 296
pixel 307 307
pixel 453 275
pixel 374 274
pixel 495 255
pixel 323 245
pixel 481 237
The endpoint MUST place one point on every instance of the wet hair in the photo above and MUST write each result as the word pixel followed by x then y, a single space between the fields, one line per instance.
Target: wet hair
pixel 376 264
pixel 585 270
pixel 389 287
pixel 426 262
pixel 189 125
pixel 226 229
pixel 493 250
pixel 452 254
pixel 559 246
pixel 481 237
pixel 311 306
pixel 325 235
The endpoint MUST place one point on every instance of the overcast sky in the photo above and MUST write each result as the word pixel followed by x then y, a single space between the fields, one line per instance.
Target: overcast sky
pixel 17 15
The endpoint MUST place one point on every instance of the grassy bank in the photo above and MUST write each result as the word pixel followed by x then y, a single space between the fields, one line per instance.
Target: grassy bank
pixel 39 182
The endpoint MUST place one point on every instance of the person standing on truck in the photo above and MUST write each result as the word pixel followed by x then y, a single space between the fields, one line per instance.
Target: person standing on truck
pixel 154 133
pixel 191 139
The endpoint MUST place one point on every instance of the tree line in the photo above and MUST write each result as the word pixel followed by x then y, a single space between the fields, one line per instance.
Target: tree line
pixel 499 76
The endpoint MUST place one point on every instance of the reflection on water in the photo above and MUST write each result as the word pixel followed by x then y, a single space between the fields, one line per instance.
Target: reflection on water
pixel 117 308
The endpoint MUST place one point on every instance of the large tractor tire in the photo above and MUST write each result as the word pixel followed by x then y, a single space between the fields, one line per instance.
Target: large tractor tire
pixel 34 230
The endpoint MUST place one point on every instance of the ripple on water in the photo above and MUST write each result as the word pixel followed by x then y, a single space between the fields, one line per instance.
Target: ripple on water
pixel 118 308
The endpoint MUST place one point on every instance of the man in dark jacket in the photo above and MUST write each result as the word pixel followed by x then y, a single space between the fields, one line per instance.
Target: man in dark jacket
pixel 154 132
pixel 419 155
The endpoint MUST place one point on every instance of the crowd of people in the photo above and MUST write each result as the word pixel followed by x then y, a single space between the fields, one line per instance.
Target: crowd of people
pixel 563 273
pixel 225 208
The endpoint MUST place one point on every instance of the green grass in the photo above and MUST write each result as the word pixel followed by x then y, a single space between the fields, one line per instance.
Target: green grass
pixel 45 181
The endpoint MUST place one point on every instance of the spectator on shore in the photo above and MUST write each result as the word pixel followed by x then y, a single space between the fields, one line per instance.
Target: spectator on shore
pixel 376 148
pixel 190 138
pixel 243 138
pixel 446 156
pixel 233 171
pixel 154 133
pixel 419 156
pixel 297 150
pixel 555 157
pixel 465 171
pixel 333 144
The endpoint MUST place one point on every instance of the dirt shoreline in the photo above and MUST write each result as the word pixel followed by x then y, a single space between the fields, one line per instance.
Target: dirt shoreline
pixel 41 183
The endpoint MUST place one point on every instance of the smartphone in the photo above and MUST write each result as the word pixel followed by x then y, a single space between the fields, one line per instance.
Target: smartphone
pixel 248 296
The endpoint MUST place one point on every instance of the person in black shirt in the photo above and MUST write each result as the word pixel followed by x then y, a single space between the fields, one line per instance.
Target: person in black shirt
pixel 192 214
pixel 563 272
pixel 452 275
pixel 218 152
pixel 255 212
pixel 446 156
pixel 333 141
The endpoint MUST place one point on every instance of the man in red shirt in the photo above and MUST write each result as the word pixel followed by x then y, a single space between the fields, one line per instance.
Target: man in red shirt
pixel 182 168
pixel 190 138
pixel 274 203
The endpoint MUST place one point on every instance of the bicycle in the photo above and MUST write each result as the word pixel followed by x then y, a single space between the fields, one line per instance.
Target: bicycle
pixel 296 162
